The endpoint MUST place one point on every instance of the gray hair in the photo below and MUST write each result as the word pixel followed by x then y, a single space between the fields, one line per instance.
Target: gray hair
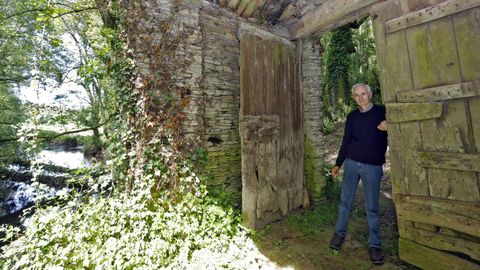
pixel 369 90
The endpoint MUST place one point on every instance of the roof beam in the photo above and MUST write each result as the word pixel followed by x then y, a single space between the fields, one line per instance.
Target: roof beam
pixel 327 14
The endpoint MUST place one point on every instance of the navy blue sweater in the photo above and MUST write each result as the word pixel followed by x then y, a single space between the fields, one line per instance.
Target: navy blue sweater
pixel 362 140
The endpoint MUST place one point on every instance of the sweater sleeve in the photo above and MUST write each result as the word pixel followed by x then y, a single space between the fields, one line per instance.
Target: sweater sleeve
pixel 346 139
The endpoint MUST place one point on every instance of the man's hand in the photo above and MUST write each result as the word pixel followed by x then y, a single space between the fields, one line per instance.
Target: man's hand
pixel 335 171
pixel 383 126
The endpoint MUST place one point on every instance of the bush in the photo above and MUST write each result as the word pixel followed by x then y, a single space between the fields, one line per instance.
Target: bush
pixel 132 232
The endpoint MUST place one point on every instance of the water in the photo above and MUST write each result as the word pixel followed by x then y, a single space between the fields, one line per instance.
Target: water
pixel 18 195
pixel 72 158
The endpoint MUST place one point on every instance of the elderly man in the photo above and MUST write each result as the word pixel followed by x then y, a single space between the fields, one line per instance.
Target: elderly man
pixel 363 154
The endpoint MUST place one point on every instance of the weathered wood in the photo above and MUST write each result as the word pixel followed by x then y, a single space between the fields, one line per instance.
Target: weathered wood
pixel 271 128
pixel 456 215
pixel 260 127
pixel 404 112
pixel 397 76
pixel 428 258
pixel 430 13
pixel 440 241
pixel 394 9
pixel 467 34
pixel 444 92
pixel 355 15
pixel 449 133
pixel 325 14
pixel 433 54
pixel 379 16
pixel 452 161
pixel 398 163
pixel 453 184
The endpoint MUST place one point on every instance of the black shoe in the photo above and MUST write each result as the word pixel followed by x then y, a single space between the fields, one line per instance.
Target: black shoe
pixel 375 255
pixel 336 242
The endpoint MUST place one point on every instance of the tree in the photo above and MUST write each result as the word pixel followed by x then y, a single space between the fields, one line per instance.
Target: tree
pixel 337 61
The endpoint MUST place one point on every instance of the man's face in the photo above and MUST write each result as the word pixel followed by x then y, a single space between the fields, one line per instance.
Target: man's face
pixel 362 96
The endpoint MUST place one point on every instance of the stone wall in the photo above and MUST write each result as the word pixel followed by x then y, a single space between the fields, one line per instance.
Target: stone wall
pixel 312 104
pixel 221 51
pixel 206 64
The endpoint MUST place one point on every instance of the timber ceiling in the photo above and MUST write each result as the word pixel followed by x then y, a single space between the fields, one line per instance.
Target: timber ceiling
pixel 272 12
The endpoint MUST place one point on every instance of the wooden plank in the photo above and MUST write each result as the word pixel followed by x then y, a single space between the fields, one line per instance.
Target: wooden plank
pixel 444 92
pixel 433 54
pixel 449 160
pixel 407 175
pixel 456 215
pixel 451 132
pixel 379 16
pixel 430 13
pixel 404 112
pixel 397 161
pixel 398 75
pixel 440 241
pixel 355 15
pixel 428 258
pixel 454 185
pixel 325 14
pixel 467 34
pixel 394 9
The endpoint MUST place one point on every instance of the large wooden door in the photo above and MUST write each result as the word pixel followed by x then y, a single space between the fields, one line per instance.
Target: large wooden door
pixel 428 51
pixel 271 127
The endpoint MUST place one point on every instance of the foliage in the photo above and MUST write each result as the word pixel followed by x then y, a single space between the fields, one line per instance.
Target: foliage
pixel 349 58
pixel 363 63
pixel 336 61
pixel 128 232
pixel 11 114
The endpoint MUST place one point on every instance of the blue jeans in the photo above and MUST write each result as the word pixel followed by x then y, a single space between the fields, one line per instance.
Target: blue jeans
pixel 371 176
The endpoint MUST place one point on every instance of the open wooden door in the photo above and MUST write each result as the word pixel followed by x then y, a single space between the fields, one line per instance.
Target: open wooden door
pixel 271 127
pixel 428 51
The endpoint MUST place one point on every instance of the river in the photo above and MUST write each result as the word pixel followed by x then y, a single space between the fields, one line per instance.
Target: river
pixel 18 195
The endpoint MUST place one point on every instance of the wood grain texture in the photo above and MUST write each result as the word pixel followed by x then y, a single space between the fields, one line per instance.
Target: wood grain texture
pixel 325 14
pixel 440 93
pixel 428 258
pixel 429 13
pixel 434 238
pixel 271 129
pixel 456 215
pixel 405 112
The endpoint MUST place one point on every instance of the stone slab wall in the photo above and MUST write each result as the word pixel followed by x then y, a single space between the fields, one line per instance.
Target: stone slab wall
pixel 221 51
pixel 209 51
pixel 313 107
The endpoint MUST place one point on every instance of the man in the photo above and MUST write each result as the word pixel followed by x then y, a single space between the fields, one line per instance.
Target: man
pixel 363 152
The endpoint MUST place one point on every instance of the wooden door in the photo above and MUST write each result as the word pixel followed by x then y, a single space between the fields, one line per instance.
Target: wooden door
pixel 429 57
pixel 271 127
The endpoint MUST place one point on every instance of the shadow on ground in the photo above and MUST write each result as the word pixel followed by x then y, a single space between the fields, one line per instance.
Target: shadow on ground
pixel 301 240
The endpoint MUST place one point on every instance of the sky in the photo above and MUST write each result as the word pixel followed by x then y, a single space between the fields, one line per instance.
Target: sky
pixel 74 96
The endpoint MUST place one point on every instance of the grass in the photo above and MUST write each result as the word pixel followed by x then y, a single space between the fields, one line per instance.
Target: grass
pixel 301 240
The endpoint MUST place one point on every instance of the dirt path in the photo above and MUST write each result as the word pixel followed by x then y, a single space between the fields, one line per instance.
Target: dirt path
pixel 301 241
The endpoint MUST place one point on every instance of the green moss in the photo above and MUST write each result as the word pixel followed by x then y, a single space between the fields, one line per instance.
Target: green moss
pixel 316 181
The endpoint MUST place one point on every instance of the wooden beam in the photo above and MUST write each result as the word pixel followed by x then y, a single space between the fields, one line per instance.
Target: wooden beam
pixel 357 14
pixel 450 161
pixel 456 215
pixel 326 14
pixel 404 112
pixel 431 13
pixel 428 258
pixel 441 241
pixel 444 92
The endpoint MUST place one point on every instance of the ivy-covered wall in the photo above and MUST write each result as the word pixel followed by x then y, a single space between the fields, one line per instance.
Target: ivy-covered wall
pixel 201 75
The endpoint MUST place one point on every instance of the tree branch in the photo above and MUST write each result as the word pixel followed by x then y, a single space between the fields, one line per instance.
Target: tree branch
pixel 46 138
pixel 44 9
